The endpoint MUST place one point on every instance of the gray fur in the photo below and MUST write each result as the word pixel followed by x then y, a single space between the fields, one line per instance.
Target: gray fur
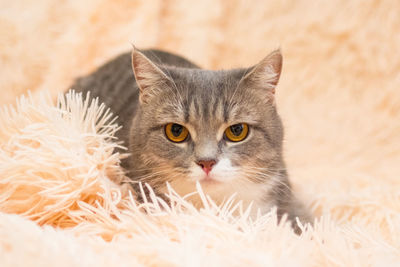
pixel 176 90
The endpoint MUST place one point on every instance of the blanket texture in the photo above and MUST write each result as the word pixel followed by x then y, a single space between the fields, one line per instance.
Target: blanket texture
pixel 61 199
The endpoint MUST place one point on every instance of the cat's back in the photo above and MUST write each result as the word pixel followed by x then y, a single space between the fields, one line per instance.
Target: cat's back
pixel 114 84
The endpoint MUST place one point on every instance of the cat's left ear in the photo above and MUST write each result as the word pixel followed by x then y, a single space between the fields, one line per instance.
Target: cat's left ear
pixel 150 79
pixel 265 75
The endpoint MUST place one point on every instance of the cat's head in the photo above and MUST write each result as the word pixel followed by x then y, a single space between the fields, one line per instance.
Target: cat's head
pixel 219 128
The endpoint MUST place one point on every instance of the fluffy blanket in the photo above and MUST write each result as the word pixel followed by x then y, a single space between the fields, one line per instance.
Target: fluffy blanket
pixel 61 198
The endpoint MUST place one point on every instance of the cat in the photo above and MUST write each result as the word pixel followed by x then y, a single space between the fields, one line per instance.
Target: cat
pixel 183 124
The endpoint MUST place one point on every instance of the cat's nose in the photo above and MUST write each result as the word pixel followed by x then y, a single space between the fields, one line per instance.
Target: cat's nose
pixel 206 165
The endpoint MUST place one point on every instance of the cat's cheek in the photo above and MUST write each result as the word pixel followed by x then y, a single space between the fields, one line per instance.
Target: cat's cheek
pixel 224 171
pixel 196 173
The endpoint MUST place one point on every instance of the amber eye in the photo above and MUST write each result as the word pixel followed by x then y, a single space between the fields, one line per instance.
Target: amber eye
pixel 237 132
pixel 176 132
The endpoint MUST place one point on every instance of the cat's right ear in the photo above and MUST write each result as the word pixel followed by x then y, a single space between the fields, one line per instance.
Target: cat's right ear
pixel 149 78
pixel 265 75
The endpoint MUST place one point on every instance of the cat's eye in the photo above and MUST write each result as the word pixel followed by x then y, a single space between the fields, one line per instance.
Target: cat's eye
pixel 237 132
pixel 176 132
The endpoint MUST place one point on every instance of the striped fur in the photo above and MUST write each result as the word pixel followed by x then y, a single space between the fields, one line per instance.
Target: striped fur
pixel 170 89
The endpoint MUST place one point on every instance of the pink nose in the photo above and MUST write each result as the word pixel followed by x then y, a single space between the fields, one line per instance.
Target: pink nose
pixel 206 165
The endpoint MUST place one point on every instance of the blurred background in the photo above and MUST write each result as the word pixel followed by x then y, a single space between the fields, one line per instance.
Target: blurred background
pixel 339 94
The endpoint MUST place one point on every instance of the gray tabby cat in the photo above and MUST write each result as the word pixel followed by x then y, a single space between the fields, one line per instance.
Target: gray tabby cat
pixel 184 124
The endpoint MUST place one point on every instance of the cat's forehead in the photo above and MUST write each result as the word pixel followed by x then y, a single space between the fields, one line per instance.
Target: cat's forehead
pixel 199 81
pixel 209 98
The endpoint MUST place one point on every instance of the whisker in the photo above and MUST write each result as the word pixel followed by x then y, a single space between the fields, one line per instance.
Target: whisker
pixel 269 177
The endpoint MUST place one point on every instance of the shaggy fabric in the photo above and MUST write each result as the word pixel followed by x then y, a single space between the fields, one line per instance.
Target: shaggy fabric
pixel 61 202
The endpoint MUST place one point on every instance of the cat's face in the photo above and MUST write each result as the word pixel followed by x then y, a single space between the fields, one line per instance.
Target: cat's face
pixel 219 128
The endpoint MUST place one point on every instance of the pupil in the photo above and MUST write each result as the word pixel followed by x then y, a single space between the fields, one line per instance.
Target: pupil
pixel 237 129
pixel 176 129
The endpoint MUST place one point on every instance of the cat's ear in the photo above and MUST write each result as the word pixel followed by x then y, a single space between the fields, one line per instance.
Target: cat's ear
pixel 149 78
pixel 265 75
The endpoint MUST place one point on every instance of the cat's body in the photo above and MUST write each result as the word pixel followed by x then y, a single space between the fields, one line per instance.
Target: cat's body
pixel 185 125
